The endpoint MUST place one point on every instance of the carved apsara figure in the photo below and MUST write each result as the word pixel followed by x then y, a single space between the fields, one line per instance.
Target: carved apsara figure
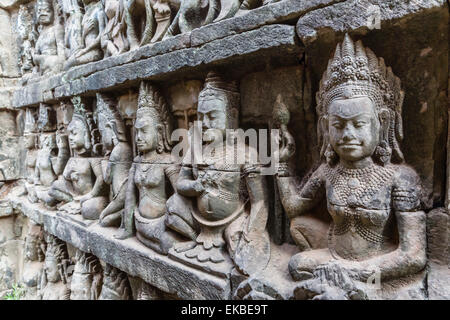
pixel 116 285
pixel 119 157
pixel 372 196
pixel 225 198
pixel 93 25
pixel 86 278
pixel 49 165
pixel 54 280
pixel 114 38
pixel 33 263
pixel 193 14
pixel 81 186
pixel 48 56
pixel 152 175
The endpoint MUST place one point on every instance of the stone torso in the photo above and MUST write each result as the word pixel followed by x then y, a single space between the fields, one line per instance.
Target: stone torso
pixel 31 163
pixel 90 24
pixel 222 181
pixel 362 204
pixel 44 164
pixel 46 42
pixel 120 161
pixel 78 170
pixel 150 179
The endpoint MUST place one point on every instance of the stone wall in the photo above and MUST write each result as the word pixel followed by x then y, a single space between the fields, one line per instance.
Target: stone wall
pixel 95 205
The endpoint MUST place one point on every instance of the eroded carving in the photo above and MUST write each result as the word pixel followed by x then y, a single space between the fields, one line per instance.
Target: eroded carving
pixel 27 40
pixel 193 14
pixel 115 285
pixel 31 141
pixel 54 281
pixel 114 38
pixel 48 55
pixel 87 277
pixel 33 262
pixel 49 162
pixel 148 20
pixel 370 192
pixel 93 25
pixel 72 28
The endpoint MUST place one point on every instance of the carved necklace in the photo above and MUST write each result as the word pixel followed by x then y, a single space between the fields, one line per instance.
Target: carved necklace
pixel 355 188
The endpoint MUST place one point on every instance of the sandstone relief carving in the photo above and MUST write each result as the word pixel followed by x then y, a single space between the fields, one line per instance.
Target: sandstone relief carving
pixel 119 157
pixel 27 39
pixel 152 174
pixel 193 14
pixel 114 39
pixel 31 141
pixel 54 283
pixel 73 17
pixel 34 260
pixel 116 285
pixel 80 189
pixel 49 162
pixel 148 20
pixel 93 25
pixel 86 282
pixel 100 200
pixel 49 55
pixel 370 191
pixel 213 191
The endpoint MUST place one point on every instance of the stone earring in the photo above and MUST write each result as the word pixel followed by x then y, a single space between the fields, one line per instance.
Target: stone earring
pixel 330 155
pixel 383 153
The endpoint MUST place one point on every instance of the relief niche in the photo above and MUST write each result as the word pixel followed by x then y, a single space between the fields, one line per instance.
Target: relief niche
pixel 373 197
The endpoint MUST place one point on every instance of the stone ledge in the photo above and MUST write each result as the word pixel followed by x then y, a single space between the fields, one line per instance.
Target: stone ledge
pixel 279 12
pixel 127 255
pixel 358 15
pixel 268 41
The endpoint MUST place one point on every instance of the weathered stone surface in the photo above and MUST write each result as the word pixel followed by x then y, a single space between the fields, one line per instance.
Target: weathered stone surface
pixel 11 160
pixel 270 14
pixel 181 241
pixel 129 255
pixel 274 40
pixel 357 14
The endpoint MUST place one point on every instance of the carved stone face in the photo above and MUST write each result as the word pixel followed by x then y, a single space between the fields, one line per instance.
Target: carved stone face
pixel 77 134
pixel 353 128
pixel 212 112
pixel 146 135
pixel 51 269
pixel 45 13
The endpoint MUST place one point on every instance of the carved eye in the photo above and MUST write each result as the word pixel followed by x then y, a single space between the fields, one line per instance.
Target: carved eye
pixel 337 125
pixel 360 124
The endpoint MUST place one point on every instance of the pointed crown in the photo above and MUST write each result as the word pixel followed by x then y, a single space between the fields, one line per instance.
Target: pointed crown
pixel 356 71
